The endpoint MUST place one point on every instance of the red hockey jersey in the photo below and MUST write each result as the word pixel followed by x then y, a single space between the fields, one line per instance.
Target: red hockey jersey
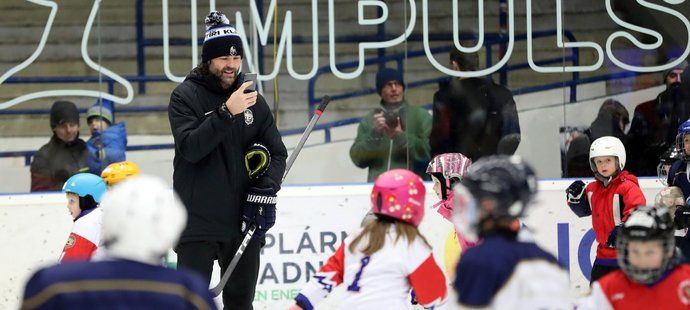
pixel 610 207
pixel 85 237
pixel 616 291
pixel 382 280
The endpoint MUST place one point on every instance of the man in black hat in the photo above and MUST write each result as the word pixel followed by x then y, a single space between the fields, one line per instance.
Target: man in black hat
pixel 65 153
pixel 655 123
pixel 216 118
pixel 395 134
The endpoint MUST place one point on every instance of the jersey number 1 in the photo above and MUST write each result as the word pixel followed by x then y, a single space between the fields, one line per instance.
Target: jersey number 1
pixel 354 287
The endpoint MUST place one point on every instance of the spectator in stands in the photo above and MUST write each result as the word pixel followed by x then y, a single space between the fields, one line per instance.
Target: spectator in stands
pixel 654 124
pixel 394 135
pixel 108 142
pixel 473 116
pixel 64 155
pixel 611 120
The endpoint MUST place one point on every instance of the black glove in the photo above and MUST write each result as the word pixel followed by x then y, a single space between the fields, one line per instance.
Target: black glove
pixel 256 160
pixel 611 241
pixel 259 209
pixel 681 218
pixel 577 201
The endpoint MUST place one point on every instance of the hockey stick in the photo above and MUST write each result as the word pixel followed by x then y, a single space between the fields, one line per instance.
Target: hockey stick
pixel 233 263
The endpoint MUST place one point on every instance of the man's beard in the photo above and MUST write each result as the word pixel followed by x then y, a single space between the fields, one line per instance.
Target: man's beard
pixel 225 80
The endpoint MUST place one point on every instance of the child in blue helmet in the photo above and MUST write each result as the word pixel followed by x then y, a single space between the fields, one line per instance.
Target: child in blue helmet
pixel 84 192
pixel 678 176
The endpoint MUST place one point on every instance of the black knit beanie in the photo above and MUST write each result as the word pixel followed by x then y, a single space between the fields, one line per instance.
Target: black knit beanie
pixel 386 75
pixel 63 112
pixel 221 38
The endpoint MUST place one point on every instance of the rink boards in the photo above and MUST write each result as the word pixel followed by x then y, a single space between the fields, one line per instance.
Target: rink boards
pixel 312 222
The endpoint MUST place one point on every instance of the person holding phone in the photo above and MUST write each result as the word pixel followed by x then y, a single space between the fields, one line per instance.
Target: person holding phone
pixel 217 116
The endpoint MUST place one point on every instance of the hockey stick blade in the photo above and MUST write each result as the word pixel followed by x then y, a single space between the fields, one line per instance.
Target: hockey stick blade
pixel 233 263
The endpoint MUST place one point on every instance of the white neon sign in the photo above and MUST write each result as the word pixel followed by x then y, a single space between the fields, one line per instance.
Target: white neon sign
pixel 656 35
pixel 285 45
pixel 85 56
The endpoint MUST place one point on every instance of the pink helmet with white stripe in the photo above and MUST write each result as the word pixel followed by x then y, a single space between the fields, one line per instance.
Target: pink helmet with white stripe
pixel 399 194
pixel 448 168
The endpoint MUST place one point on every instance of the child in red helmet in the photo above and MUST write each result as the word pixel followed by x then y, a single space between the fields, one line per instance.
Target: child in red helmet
pixel 384 260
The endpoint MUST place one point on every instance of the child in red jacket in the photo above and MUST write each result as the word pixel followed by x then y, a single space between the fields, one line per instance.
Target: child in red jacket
pixel 609 199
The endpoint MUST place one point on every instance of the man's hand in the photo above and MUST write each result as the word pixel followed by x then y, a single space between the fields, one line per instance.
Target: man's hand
pixel 392 133
pixel 260 210
pixel 380 123
pixel 239 101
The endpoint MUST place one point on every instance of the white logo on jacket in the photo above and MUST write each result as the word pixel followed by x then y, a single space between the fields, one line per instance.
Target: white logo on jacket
pixel 248 117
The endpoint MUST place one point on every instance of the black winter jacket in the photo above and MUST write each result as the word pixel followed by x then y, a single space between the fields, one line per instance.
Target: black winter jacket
pixel 57 161
pixel 209 173
pixel 474 117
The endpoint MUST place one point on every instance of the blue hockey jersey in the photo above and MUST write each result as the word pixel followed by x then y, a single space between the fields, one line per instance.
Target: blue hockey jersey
pixel 115 284
pixel 503 273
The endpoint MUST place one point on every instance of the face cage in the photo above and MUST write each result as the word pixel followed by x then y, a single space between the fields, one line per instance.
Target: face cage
pixel 642 275
pixel 662 170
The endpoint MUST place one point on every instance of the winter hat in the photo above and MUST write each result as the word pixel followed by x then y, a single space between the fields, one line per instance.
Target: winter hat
pixel 386 75
pixel 681 66
pixel 63 112
pixel 102 109
pixel 221 38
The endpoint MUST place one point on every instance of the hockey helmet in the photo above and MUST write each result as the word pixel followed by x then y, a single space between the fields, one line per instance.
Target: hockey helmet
pixel 85 184
pixel 117 172
pixel 646 224
pixel 507 180
pixel 399 194
pixel 683 130
pixel 142 219
pixel 666 161
pixel 607 146
pixel 448 168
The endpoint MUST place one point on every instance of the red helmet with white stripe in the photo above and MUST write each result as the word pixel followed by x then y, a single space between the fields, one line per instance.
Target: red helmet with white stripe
pixel 399 194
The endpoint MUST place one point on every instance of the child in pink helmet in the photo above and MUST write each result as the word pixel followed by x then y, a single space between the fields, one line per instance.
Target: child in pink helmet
pixel 385 259
pixel 446 170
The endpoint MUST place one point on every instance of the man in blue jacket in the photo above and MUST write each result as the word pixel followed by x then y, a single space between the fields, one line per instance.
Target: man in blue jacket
pixel 108 142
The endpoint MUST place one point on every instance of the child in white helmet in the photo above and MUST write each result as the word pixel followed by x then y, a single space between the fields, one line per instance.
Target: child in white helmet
pixel 609 199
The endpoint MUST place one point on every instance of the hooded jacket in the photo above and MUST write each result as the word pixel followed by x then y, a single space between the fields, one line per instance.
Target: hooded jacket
pixel 107 147
pixel 55 162
pixel 209 173
pixel 611 204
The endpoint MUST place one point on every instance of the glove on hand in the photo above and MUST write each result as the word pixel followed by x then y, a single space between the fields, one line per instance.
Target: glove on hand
pixel 256 160
pixel 681 218
pixel 613 236
pixel 577 201
pixel 575 192
pixel 259 209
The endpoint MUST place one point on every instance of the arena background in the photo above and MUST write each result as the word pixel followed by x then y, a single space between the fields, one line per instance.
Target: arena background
pixel 136 52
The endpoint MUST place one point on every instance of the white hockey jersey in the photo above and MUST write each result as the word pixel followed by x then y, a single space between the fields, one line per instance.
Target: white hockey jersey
pixel 382 280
